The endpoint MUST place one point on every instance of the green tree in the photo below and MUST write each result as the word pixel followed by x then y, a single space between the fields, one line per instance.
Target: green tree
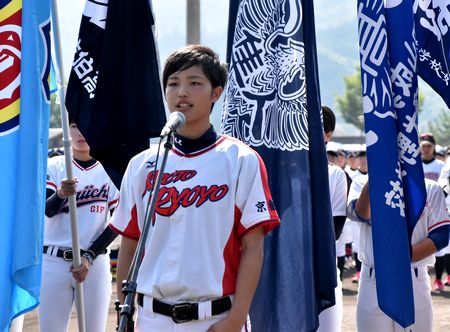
pixel 440 128
pixel 350 104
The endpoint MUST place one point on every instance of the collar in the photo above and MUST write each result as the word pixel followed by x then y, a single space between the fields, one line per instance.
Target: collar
pixel 85 163
pixel 426 162
pixel 188 146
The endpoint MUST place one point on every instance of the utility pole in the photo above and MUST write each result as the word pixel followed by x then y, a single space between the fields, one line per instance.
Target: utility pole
pixel 192 22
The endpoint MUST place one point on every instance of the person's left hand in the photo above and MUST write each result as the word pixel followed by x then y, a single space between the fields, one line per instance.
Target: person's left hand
pixel 226 325
pixel 80 273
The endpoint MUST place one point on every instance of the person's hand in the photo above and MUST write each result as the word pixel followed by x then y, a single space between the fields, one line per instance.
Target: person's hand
pixel 67 188
pixel 226 325
pixel 80 273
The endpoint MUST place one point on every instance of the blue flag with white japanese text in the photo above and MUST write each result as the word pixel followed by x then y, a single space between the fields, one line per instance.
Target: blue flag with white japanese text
pixel 397 192
pixel 24 119
pixel 432 24
pixel 272 103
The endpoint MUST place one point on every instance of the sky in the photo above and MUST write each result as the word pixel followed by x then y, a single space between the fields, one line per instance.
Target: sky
pixel 171 22
pixel 170 17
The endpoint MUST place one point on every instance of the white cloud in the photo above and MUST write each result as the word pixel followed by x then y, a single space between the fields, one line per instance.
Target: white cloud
pixel 331 16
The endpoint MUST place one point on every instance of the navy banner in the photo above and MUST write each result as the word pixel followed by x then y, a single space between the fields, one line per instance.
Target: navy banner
pixel 114 92
pixel 432 22
pixel 273 104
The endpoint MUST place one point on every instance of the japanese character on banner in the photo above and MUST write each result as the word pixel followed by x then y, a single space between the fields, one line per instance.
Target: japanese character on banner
pixel 83 66
pixel 424 55
pixel 394 197
pixel 408 150
pixel 437 25
pixel 402 76
pixel 90 84
pixel 436 66
pixel 373 49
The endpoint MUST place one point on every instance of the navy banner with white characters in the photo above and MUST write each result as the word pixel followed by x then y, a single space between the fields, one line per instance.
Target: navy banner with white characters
pixel 432 20
pixel 397 192
pixel 273 104
pixel 114 92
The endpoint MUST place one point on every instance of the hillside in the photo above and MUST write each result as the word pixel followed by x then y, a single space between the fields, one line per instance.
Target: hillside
pixel 337 47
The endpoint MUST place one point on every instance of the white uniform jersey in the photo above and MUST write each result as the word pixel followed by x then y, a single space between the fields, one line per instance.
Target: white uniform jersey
pixel 445 185
pixel 444 181
pixel 351 172
pixel 96 195
pixel 208 200
pixel 338 190
pixel 433 216
pixel 432 170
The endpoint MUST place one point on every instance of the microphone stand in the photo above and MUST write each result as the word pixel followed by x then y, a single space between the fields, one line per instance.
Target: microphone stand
pixel 129 289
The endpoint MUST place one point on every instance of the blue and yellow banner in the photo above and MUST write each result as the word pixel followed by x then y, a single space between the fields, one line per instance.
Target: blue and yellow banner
pixel 24 118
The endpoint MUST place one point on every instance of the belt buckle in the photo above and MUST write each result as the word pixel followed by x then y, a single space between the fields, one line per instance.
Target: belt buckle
pixel 68 255
pixel 182 312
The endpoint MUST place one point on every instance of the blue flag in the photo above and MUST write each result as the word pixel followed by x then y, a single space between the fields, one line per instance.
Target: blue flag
pixel 432 23
pixel 114 92
pixel 397 191
pixel 273 104
pixel 24 118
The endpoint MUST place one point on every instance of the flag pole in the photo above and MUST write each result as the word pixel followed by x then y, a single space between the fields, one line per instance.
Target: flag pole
pixel 68 159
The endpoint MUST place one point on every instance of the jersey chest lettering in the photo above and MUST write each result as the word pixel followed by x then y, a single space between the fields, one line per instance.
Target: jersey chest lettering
pixel 89 195
pixel 170 199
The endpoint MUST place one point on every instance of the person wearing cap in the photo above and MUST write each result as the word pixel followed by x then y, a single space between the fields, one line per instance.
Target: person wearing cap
pixel 333 149
pixel 352 163
pixel 431 166
pixel 443 256
pixel 441 153
pixel 330 320
pixel 362 171
pixel 430 234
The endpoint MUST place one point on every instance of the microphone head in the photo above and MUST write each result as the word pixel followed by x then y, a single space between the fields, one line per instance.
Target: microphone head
pixel 175 121
pixel 178 120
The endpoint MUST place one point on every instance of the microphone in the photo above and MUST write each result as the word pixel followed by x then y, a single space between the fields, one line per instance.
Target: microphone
pixel 176 120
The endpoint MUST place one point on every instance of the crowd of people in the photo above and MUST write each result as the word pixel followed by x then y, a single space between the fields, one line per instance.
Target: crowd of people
pixel 429 243
pixel 223 227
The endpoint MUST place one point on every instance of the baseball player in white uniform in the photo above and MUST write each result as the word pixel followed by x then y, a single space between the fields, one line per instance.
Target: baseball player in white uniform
pixel 330 320
pixel 96 195
pixel 430 234
pixel 443 255
pixel 431 166
pixel 203 254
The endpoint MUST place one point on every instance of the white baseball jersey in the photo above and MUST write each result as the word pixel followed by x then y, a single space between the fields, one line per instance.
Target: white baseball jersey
pixel 208 200
pixel 338 190
pixel 434 215
pixel 444 180
pixel 444 183
pixel 330 320
pixel 351 172
pixel 432 170
pixel 96 195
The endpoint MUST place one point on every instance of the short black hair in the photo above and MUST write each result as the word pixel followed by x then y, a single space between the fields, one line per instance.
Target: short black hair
pixel 329 119
pixel 193 55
